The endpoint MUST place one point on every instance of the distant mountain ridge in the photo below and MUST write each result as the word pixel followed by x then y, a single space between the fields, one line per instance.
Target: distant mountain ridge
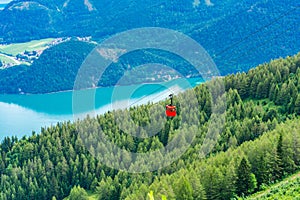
pixel 237 34
pixel 92 17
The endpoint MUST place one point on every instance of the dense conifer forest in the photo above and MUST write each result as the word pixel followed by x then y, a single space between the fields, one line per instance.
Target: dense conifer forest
pixel 259 145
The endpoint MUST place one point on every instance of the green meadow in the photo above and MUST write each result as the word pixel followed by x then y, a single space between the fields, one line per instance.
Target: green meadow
pixel 35 45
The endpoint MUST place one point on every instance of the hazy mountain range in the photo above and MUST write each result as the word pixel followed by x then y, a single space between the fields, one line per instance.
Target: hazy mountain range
pixel 237 34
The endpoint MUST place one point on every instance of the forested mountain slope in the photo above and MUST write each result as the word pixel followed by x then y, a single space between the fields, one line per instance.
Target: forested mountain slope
pixel 57 68
pixel 237 34
pixel 238 171
pixel 51 163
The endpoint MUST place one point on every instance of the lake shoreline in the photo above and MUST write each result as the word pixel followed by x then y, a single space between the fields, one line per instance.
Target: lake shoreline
pixel 95 88
pixel 22 114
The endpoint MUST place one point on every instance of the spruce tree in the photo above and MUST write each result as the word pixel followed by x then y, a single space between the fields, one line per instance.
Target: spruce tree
pixel 262 170
pixel 78 193
pixel 246 181
pixel 279 160
pixel 297 105
pixel 212 182
pixel 198 189
pixel 183 189
pixel 283 96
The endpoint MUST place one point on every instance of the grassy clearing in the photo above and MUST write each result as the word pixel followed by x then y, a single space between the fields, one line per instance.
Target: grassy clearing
pixel 14 49
pixel 287 189
pixel 7 59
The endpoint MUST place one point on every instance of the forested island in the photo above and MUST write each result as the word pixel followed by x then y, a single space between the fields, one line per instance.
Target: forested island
pixel 259 146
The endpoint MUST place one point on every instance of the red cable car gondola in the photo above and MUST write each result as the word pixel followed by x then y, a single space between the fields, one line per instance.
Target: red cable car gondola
pixel 171 109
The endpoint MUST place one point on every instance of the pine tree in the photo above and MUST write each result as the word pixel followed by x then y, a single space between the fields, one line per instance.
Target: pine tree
pixel 78 193
pixel 211 180
pixel 279 160
pixel 107 190
pixel 2 166
pixel 292 90
pixel 198 190
pixel 229 182
pixel 272 95
pixel 246 181
pixel 278 76
pixel 244 86
pixel 296 150
pixel 253 86
pixel 183 189
pixel 260 92
pixel 297 105
pixel 283 96
pixel 262 171
pixel 285 154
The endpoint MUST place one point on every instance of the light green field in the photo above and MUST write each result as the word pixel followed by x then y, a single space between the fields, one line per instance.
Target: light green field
pixel 7 60
pixel 14 49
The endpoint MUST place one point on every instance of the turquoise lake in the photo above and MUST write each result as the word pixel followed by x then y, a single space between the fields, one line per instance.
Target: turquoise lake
pixel 2 6
pixel 22 114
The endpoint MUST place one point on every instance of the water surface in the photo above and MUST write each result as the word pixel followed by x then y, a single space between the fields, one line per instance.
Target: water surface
pixel 22 114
